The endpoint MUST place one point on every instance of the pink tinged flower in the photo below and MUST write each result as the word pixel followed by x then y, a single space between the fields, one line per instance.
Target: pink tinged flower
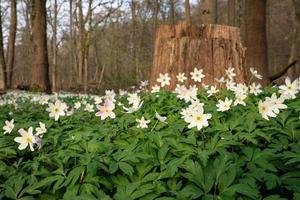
pixel 26 139
pixel 106 110
pixel 9 126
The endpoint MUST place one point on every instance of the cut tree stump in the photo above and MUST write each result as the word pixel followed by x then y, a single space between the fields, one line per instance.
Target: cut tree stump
pixel 210 47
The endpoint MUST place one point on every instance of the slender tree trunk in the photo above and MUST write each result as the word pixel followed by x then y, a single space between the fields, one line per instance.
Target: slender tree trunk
pixel 255 37
pixel 2 59
pixel 72 43
pixel 172 12
pixel 231 8
pixel 40 67
pixel 134 40
pixel 187 11
pixel 295 48
pixel 81 44
pixel 208 11
pixel 11 42
pixel 54 46
pixel 155 15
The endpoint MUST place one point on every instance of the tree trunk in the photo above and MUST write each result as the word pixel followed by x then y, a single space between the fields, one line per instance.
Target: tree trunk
pixel 2 59
pixel 187 11
pixel 172 12
pixel 208 11
pixel 11 42
pixel 155 14
pixel 255 37
pixel 134 40
pixel 231 7
pixel 295 50
pixel 54 46
pixel 182 48
pixel 81 50
pixel 40 68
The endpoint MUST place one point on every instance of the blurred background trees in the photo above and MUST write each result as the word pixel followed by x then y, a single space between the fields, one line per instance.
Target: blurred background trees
pixel 93 45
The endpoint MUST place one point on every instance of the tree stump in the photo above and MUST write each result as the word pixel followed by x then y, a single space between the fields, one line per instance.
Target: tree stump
pixel 210 47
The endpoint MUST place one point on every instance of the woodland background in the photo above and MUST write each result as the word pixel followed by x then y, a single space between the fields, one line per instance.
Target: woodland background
pixel 93 45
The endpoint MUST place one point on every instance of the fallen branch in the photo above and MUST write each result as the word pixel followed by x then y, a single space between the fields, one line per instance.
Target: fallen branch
pixel 282 72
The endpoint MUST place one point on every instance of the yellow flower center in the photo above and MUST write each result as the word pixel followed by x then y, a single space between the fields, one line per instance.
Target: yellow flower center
pixel 28 139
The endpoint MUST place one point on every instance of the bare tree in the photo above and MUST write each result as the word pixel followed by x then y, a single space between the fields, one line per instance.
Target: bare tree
pixel 255 37
pixel 40 67
pixel 11 42
pixel 53 23
pixel 208 10
pixel 187 11
pixel 2 59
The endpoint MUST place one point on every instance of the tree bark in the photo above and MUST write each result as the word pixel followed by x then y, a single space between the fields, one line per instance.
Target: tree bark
pixel 231 12
pixel 172 11
pixel 182 48
pixel 11 42
pixel 208 11
pixel 187 11
pixel 2 59
pixel 54 46
pixel 295 49
pixel 40 68
pixel 155 14
pixel 255 37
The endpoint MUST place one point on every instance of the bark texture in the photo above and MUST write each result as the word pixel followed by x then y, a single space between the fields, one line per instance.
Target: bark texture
pixel 182 48
pixel 2 59
pixel 208 10
pixel 255 37
pixel 11 42
pixel 40 68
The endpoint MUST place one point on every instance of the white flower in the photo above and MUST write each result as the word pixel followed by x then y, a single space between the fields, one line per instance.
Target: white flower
pixel 98 100
pixel 230 73
pixel 144 83
pixel 56 110
pixel 224 105
pixel 290 89
pixel 43 100
pixel 106 110
pixel 164 79
pixel 142 123
pixel 239 99
pixel 155 89
pixel 231 85
pixel 271 106
pixel 212 90
pixel 9 126
pixel 255 73
pixel 255 89
pixel 41 130
pixel 77 105
pixel 89 107
pixel 122 92
pixel 186 94
pixel 110 95
pixel 221 80
pixel 133 99
pixel 160 118
pixel 181 77
pixel 277 103
pixel 26 139
pixel 194 115
pixel 198 120
pixel 265 109
pixel 197 75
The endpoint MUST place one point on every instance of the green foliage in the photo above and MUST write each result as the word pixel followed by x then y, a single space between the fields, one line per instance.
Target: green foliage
pixel 238 156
